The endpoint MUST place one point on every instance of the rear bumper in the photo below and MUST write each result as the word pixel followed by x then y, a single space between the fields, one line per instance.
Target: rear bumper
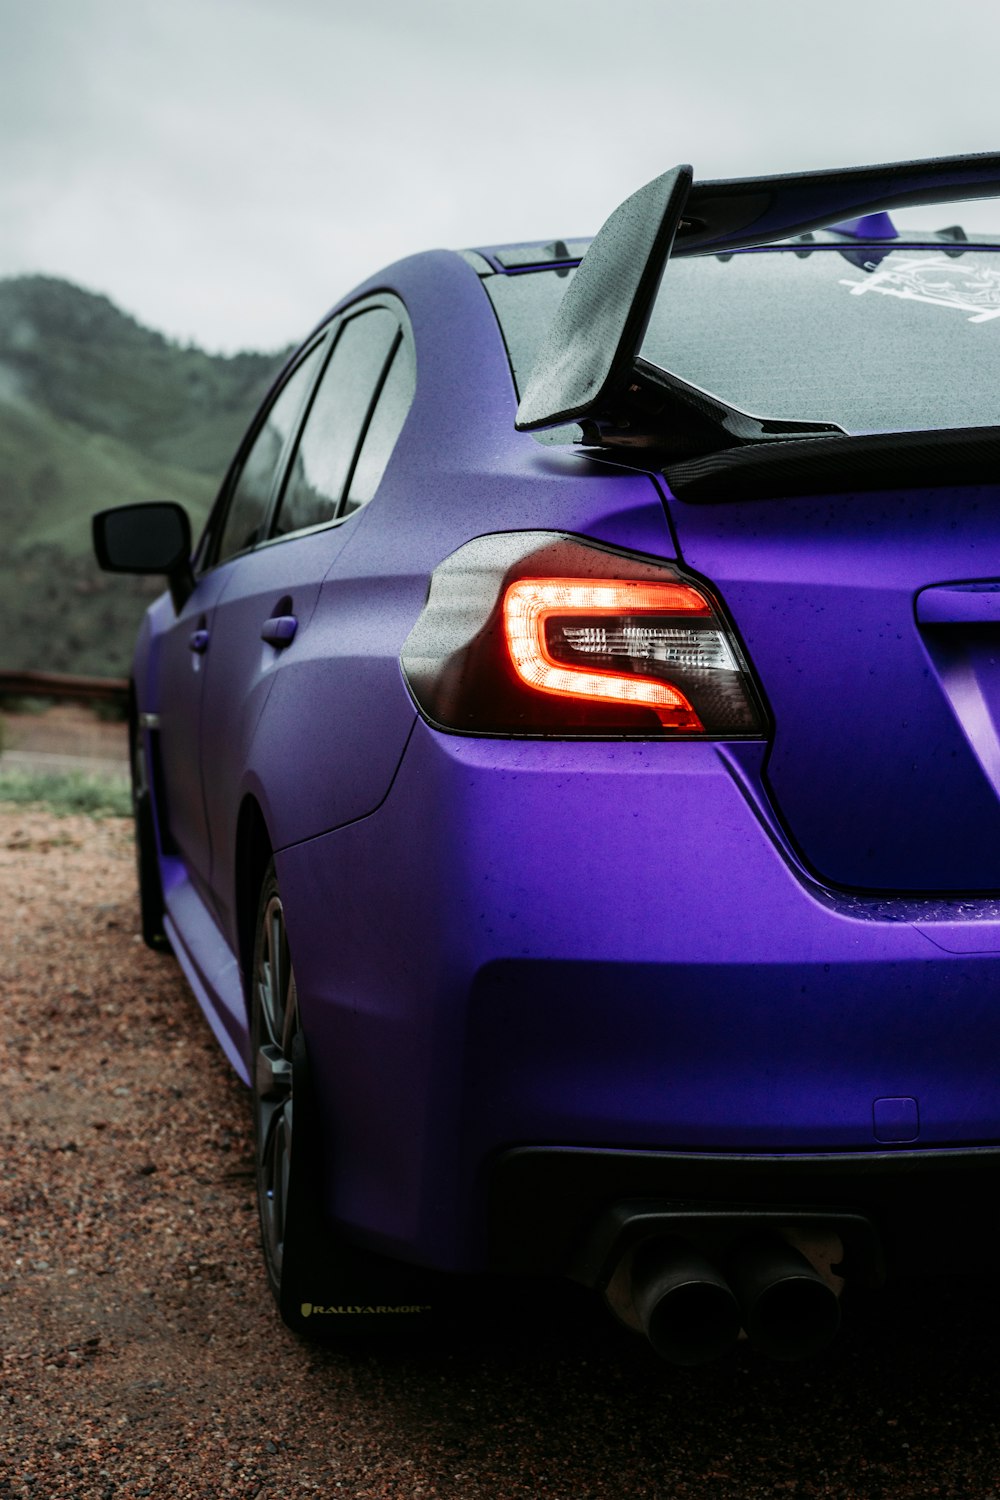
pixel 931 1211
pixel 607 948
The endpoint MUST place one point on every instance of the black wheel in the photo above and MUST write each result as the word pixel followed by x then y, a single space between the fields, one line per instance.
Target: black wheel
pixel 151 908
pixel 323 1286
pixel 274 1027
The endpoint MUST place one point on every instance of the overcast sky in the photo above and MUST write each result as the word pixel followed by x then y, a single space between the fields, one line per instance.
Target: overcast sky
pixel 226 169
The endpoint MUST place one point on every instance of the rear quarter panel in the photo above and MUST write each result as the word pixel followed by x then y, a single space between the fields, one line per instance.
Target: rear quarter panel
pixel 338 716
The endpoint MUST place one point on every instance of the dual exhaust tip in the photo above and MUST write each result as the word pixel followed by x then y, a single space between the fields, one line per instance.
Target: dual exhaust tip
pixel 692 1313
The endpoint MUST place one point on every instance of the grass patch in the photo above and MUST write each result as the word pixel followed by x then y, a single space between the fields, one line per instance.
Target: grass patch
pixel 34 706
pixel 69 792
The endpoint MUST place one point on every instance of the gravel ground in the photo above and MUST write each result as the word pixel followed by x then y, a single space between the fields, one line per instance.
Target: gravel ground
pixel 142 1357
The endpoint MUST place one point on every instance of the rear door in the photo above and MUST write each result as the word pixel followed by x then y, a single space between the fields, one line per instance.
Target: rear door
pixel 190 649
pixel 262 624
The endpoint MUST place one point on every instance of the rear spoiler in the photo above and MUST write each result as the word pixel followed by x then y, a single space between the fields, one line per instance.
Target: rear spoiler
pixel 589 369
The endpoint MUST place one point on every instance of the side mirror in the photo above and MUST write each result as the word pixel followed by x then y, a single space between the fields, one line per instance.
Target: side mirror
pixel 153 538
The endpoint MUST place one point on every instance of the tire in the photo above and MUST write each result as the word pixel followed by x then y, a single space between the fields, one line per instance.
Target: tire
pixel 151 906
pixel 274 1027
pixel 323 1286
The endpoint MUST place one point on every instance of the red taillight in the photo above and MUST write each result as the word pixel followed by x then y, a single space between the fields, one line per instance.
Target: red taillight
pixel 543 634
pixel 534 606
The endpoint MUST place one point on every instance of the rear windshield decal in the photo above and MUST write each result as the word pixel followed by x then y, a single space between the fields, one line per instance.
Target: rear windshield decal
pixel 973 290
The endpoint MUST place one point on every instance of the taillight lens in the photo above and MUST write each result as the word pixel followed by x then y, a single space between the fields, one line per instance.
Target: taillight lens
pixel 535 633
pixel 581 639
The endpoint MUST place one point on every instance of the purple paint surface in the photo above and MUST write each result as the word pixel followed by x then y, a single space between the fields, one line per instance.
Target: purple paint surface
pixel 761 949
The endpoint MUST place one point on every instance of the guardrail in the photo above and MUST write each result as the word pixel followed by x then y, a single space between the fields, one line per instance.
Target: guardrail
pixel 63 685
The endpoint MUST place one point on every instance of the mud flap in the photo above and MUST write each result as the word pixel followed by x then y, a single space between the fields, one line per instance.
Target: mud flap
pixel 330 1289
pixel 151 906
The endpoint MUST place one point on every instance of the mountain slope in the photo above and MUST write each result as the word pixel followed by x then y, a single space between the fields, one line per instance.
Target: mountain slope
pixel 79 357
pixel 96 410
pixel 54 474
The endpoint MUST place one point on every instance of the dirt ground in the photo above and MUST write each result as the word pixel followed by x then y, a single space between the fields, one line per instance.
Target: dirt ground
pixel 141 1355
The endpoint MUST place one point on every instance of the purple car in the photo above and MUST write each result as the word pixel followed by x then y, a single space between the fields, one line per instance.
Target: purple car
pixel 567 768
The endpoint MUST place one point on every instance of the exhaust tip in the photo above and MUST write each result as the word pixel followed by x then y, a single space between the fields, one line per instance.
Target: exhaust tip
pixel 685 1306
pixel 788 1310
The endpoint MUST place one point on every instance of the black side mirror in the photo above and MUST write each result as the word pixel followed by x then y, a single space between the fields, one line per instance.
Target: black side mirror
pixel 153 538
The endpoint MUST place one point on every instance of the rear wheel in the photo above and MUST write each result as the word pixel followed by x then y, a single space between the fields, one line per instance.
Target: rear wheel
pixel 322 1285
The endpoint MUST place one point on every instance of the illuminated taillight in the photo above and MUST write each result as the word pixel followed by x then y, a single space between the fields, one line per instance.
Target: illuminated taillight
pixel 579 638
pixel 537 633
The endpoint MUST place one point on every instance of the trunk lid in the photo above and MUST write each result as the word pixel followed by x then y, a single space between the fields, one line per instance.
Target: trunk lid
pixel 885 761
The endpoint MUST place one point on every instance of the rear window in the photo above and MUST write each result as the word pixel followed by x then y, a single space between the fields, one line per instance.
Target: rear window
pixel 875 340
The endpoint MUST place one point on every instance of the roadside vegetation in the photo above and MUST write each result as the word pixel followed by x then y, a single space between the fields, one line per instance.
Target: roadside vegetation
pixel 68 792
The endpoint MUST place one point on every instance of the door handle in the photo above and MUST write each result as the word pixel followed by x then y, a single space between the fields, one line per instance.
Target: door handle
pixel 199 642
pixel 959 604
pixel 279 631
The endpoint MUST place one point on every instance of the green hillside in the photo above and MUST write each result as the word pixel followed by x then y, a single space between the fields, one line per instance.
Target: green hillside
pixel 96 410
pixel 54 474
pixel 80 358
